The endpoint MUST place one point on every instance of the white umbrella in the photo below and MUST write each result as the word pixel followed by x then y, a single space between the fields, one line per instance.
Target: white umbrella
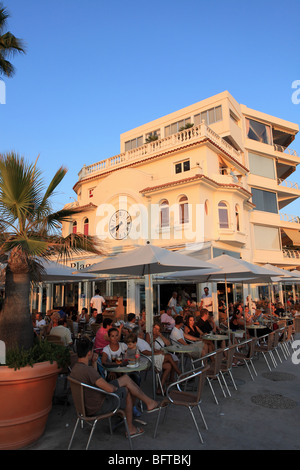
pixel 54 271
pixel 146 261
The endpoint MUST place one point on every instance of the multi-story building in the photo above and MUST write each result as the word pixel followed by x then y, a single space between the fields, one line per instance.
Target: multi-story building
pixel 210 178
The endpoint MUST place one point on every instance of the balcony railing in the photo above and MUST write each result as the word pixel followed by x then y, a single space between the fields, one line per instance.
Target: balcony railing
pixel 289 218
pixel 293 254
pixel 187 136
pixel 287 183
pixel 280 148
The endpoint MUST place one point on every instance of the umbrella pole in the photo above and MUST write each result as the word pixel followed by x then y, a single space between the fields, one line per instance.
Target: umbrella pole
pixel 270 306
pixel 227 306
pixel 149 322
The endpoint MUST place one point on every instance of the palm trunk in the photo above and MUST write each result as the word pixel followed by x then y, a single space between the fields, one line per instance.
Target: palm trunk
pixel 15 321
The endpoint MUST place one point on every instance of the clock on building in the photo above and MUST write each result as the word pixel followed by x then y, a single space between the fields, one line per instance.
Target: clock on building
pixel 120 224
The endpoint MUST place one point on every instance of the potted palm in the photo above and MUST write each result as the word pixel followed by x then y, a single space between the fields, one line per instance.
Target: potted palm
pixel 29 230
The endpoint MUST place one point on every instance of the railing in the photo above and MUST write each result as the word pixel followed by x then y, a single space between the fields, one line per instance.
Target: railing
pixel 173 141
pixel 289 218
pixel 287 183
pixel 280 148
pixel 293 254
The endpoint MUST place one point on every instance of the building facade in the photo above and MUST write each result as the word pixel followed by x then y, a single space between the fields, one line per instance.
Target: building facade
pixel 208 179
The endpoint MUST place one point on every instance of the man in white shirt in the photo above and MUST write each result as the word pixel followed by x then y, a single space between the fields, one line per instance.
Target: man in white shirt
pixel 59 329
pixel 177 334
pixel 173 305
pixel 97 301
pixel 206 300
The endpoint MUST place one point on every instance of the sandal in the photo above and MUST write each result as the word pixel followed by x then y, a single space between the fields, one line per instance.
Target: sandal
pixel 139 432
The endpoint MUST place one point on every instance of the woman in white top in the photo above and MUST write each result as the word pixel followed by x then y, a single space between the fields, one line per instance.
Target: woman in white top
pixel 114 348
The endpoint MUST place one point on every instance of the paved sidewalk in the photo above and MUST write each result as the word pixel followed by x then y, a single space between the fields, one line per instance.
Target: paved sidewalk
pixel 263 414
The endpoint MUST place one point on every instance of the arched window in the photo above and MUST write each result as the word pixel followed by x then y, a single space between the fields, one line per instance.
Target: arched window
pixel 223 215
pixel 206 207
pixel 237 218
pixel 164 214
pixel 86 227
pixel 74 227
pixel 183 210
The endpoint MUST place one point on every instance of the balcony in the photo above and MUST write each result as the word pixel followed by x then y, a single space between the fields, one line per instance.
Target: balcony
pixel 193 135
pixel 286 150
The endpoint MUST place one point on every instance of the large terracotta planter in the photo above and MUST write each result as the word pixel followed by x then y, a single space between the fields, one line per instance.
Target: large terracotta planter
pixel 25 402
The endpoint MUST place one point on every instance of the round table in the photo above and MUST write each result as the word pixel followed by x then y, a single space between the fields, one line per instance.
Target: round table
pixel 182 349
pixel 215 338
pixel 255 328
pixel 143 365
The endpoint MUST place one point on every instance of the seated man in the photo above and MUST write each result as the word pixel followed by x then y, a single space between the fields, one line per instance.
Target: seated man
pixel 167 318
pixel 124 387
pixel 178 336
pixel 59 329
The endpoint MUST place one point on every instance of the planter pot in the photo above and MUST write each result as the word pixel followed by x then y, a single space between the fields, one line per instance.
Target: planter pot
pixel 26 400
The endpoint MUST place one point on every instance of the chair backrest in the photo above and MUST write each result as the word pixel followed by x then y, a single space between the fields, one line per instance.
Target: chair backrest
pixel 297 324
pixel 289 332
pixel 216 364
pixel 271 338
pixel 200 382
pixel 229 355
pixel 55 339
pixel 78 396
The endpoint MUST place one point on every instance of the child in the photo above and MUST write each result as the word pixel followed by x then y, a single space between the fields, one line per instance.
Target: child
pixel 132 348
pixel 131 352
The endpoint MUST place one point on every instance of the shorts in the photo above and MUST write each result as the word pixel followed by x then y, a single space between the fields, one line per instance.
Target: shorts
pixel 110 402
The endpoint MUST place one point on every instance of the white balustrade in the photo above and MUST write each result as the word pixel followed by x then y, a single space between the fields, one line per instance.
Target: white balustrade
pixel 173 141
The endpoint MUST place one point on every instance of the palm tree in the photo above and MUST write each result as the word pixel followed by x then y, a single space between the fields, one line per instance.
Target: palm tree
pixel 29 230
pixel 9 45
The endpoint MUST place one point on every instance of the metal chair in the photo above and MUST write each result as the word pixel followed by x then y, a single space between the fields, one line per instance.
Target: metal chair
pixel 180 397
pixel 77 389
pixel 226 367
pixel 214 372
pixel 248 355
pixel 266 347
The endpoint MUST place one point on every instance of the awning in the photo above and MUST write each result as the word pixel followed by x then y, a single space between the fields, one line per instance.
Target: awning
pixel 293 235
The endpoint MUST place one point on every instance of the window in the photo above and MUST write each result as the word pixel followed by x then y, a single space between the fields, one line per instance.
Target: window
pixel 261 166
pixel 210 116
pixel 132 144
pixel 164 216
pixel 264 200
pixel 176 126
pixel 266 238
pixel 182 166
pixel 206 207
pixel 91 192
pixel 74 227
pixel 258 131
pixel 223 215
pixel 237 218
pixel 152 136
pixel 183 210
pixel 86 227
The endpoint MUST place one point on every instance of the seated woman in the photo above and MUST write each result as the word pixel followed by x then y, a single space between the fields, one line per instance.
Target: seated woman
pixel 191 329
pixel 114 349
pixel 164 362
pixel 102 339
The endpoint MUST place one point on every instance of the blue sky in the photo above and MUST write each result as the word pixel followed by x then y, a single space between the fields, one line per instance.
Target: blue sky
pixel 96 69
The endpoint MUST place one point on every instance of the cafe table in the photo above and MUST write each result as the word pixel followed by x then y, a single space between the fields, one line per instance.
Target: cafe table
pixel 215 338
pixel 182 349
pixel 255 328
pixel 143 364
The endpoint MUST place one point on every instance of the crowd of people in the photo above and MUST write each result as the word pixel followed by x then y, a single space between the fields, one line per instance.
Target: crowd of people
pixel 183 322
